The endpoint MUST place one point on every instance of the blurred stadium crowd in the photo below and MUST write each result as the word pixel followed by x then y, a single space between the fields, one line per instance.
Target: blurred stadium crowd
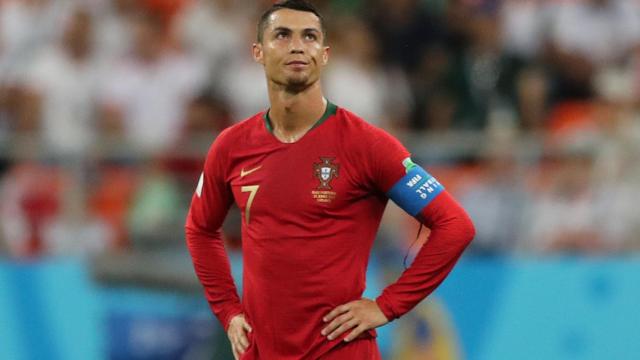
pixel 528 111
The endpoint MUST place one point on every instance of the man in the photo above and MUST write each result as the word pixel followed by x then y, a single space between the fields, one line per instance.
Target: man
pixel 312 181
pixel 147 93
pixel 61 90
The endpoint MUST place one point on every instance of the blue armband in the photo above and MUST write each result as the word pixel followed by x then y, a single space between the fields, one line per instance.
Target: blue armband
pixel 415 190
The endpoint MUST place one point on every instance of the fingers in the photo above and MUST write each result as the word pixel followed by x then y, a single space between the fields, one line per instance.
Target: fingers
pixel 242 341
pixel 336 323
pixel 237 333
pixel 342 328
pixel 337 311
pixel 356 332
pixel 239 340
pixel 247 327
pixel 239 344
pixel 363 314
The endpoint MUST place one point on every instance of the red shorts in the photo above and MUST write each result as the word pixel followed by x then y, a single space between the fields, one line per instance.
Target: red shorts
pixel 359 349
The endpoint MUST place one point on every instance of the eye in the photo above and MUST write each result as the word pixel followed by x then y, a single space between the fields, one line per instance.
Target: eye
pixel 281 35
pixel 311 36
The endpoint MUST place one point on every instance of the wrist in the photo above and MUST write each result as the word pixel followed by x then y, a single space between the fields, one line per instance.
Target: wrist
pixel 230 319
pixel 386 308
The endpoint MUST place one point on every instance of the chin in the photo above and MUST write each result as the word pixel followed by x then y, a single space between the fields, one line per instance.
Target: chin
pixel 298 82
pixel 298 79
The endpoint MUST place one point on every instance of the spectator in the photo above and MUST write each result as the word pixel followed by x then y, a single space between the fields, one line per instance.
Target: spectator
pixel 42 214
pixel 532 97
pixel 586 35
pixel 156 212
pixel 356 78
pixel 523 28
pixel 146 94
pixel 497 199
pixel 616 162
pixel 28 209
pixel 244 95
pixel 563 217
pixel 435 99
pixel 26 26
pixel 62 89
pixel 112 28
pixel 404 29
pixel 467 81
pixel 213 28
pixel 206 115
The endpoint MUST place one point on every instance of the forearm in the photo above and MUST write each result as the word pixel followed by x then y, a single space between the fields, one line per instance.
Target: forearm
pixel 211 265
pixel 451 232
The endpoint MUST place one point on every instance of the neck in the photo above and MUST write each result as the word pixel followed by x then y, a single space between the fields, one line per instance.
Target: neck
pixel 293 113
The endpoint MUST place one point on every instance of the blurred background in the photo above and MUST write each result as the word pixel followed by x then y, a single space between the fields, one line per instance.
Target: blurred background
pixel 528 111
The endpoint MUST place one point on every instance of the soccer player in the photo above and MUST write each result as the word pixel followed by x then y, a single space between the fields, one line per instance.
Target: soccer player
pixel 312 181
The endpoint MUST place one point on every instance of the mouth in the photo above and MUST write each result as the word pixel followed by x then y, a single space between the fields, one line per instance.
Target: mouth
pixel 297 63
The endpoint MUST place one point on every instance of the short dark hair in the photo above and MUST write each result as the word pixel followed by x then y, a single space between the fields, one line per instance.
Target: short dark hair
pixel 299 5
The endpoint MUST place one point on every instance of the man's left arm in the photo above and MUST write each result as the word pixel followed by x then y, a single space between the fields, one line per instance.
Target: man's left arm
pixel 422 196
pixel 451 232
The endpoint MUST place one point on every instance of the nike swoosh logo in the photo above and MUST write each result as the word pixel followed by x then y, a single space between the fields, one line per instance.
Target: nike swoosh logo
pixel 245 173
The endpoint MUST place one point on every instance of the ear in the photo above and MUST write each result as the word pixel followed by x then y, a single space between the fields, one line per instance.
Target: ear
pixel 258 54
pixel 325 55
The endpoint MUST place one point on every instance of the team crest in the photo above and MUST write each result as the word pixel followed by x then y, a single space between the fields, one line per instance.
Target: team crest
pixel 325 172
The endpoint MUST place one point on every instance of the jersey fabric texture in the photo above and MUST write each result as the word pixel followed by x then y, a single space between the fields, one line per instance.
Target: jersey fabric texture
pixel 310 212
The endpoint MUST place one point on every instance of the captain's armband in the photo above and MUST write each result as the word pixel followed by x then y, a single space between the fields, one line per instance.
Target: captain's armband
pixel 415 190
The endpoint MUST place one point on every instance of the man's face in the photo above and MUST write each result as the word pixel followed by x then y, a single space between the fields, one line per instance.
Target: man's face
pixel 292 49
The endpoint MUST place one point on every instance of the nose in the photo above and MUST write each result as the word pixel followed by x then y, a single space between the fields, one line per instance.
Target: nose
pixel 296 45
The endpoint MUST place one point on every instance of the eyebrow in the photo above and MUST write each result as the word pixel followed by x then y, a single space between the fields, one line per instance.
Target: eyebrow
pixel 306 30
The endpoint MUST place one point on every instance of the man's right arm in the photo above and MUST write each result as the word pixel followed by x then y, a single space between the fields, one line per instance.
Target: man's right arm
pixel 209 207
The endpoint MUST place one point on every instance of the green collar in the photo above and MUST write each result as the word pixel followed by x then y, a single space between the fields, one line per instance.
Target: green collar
pixel 330 110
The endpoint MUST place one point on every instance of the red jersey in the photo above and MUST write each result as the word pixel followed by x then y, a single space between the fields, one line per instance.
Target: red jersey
pixel 310 212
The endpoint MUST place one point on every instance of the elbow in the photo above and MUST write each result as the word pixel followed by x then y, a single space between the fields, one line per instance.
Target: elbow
pixel 193 235
pixel 190 230
pixel 467 228
pixel 446 214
